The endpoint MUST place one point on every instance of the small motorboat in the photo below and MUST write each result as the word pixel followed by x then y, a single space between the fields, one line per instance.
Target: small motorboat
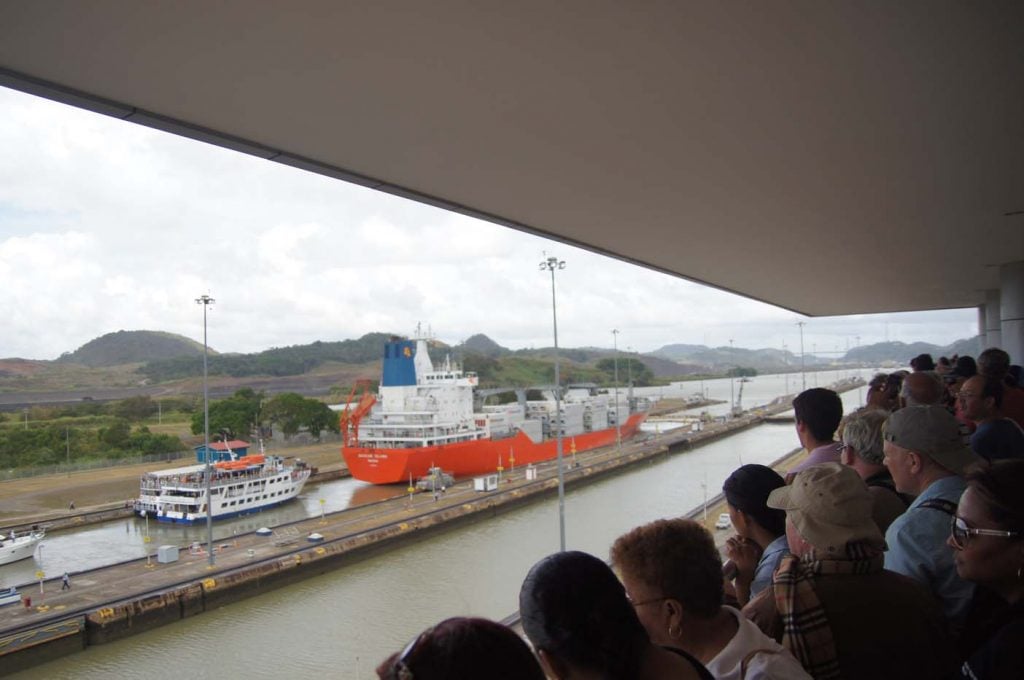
pixel 9 596
pixel 14 547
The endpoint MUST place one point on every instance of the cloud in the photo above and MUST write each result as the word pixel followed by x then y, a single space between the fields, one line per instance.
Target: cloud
pixel 106 226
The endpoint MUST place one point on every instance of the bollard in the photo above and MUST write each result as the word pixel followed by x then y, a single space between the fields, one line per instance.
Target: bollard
pixel 28 602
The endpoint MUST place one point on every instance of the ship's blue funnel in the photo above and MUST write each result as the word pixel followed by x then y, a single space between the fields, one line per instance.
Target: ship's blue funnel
pixel 399 368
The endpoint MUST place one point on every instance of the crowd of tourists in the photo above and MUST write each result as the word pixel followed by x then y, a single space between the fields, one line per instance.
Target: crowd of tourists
pixel 894 549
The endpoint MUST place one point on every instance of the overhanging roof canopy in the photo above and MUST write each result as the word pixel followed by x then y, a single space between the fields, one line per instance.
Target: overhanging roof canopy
pixel 827 157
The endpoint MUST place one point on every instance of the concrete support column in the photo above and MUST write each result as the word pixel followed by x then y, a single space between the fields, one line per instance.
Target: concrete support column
pixel 1011 310
pixel 982 335
pixel 993 335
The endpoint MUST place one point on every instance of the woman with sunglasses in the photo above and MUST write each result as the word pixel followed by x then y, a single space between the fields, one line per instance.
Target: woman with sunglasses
pixel 463 649
pixel 988 539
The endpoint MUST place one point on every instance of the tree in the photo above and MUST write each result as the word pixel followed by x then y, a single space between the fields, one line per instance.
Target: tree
pixel 286 411
pixel 320 417
pixel 116 436
pixel 292 412
pixel 237 415
pixel 741 372
pixel 135 408
pixel 628 368
pixel 144 441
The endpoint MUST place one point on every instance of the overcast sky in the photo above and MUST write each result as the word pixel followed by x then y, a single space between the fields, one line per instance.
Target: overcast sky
pixel 107 226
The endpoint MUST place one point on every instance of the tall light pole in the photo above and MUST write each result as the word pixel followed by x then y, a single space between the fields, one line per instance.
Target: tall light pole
pixel 551 264
pixel 732 386
pixel 629 380
pixel 618 427
pixel 206 301
pixel 803 375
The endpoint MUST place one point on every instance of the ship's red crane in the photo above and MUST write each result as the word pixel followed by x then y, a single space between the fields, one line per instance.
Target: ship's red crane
pixel 360 400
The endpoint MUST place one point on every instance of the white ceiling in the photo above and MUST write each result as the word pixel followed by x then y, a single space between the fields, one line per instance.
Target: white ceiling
pixel 828 157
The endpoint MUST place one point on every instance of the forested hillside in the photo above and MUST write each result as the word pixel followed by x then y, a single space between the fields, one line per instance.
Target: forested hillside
pixel 129 347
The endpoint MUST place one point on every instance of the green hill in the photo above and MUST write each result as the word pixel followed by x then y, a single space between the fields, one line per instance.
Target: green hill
pixel 131 347
pixel 279 361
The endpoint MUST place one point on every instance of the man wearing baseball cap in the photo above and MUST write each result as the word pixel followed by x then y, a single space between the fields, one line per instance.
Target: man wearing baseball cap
pixel 831 604
pixel 926 454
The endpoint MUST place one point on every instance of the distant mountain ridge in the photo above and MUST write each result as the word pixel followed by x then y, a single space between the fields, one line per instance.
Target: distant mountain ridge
pixel 771 359
pixel 166 356
pixel 131 347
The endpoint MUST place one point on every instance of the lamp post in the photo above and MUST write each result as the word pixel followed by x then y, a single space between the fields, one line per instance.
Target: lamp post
pixel 551 264
pixel 206 301
pixel 629 379
pixel 803 375
pixel 732 386
pixel 618 427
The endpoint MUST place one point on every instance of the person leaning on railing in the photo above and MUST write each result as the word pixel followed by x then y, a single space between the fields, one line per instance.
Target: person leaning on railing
pixel 760 541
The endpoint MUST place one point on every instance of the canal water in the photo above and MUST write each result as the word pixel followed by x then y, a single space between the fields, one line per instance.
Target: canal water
pixel 342 624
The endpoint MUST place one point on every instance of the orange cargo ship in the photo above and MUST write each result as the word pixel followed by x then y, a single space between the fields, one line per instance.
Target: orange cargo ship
pixel 424 417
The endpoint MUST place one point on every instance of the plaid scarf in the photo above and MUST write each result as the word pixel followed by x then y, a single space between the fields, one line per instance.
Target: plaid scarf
pixel 806 631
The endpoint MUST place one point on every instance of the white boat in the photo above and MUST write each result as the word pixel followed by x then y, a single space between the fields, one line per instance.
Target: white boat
pixel 16 547
pixel 238 487
pixel 9 596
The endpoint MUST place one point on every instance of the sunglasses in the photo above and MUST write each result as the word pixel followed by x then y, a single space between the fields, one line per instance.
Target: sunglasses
pixel 643 602
pixel 961 532
pixel 401 669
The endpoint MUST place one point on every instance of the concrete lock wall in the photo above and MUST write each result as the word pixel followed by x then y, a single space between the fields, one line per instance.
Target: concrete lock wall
pixel 26 649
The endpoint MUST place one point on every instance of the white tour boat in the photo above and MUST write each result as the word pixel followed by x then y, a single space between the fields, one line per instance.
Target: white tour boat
pixel 14 547
pixel 239 486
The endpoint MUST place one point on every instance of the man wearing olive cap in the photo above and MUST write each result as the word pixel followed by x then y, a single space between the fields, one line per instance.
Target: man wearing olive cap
pixel 926 454
pixel 831 604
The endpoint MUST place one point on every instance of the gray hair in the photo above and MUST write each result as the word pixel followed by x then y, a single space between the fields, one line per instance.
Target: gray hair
pixel 863 434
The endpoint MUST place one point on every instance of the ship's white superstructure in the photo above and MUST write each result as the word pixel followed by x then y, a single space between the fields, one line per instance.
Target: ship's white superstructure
pixel 237 487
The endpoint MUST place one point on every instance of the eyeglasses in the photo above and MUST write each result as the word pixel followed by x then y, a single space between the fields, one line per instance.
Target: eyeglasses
pixel 961 532
pixel 401 668
pixel 643 602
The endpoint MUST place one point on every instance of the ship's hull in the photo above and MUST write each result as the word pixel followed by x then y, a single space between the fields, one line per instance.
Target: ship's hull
pixel 190 518
pixel 22 548
pixel 468 459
